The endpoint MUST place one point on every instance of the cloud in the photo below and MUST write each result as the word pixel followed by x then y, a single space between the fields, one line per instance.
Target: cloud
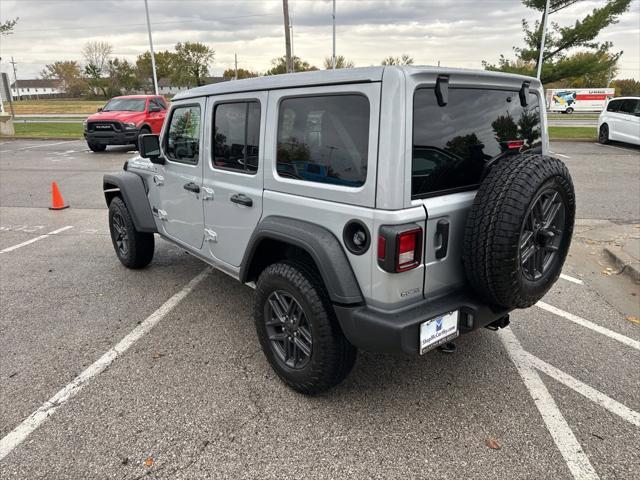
pixel 456 33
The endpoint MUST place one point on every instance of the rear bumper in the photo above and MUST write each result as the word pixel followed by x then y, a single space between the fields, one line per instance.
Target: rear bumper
pixel 395 331
pixel 127 137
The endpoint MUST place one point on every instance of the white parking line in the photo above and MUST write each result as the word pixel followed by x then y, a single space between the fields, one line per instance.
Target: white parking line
pixel 24 429
pixel 586 323
pixel 569 278
pixel 585 390
pixel 612 146
pixel 33 240
pixel 564 438
pixel 40 145
pixel 559 154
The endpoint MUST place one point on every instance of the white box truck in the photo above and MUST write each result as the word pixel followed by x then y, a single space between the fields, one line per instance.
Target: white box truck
pixel 569 100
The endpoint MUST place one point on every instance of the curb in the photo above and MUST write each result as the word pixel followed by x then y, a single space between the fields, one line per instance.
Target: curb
pixel 589 140
pixel 624 262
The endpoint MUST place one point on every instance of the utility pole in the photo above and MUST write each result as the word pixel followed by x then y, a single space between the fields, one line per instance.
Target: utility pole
pixel 15 77
pixel 293 52
pixel 287 35
pixel 153 56
pixel 235 55
pixel 333 56
pixel 544 34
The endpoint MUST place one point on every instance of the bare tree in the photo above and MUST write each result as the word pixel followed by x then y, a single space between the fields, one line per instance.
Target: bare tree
pixel 402 60
pixel 341 62
pixel 97 54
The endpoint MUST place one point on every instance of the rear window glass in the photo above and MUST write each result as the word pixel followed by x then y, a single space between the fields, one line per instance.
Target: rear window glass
pixel 629 105
pixel 451 144
pixel 324 139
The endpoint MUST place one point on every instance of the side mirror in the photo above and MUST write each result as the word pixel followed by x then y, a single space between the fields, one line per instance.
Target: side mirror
pixel 99 109
pixel 150 148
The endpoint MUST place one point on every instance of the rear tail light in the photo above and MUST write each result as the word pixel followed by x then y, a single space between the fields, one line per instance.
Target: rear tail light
pixel 515 144
pixel 399 247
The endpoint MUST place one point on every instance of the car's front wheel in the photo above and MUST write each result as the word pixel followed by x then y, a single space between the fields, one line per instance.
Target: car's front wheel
pixel 143 131
pixel 134 249
pixel 96 147
pixel 298 330
pixel 603 134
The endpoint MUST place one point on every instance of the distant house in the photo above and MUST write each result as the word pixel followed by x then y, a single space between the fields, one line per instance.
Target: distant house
pixel 35 88
pixel 168 88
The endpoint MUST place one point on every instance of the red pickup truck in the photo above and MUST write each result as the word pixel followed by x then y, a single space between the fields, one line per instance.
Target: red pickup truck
pixel 123 119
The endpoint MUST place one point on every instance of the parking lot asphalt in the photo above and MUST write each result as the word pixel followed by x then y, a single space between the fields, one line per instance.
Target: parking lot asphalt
pixel 556 395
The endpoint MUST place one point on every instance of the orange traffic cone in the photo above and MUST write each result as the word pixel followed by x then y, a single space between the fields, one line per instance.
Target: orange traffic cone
pixel 57 202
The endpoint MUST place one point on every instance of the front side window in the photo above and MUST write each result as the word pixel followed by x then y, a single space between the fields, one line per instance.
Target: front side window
pixel 614 106
pixel 236 139
pixel 183 135
pixel 452 144
pixel 324 139
pixel 629 106
pixel 157 103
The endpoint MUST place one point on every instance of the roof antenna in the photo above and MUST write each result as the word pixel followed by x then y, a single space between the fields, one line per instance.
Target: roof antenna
pixel 442 90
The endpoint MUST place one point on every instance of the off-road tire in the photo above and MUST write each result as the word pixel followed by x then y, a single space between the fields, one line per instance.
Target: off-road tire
pixel 143 131
pixel 491 252
pixel 97 147
pixel 140 245
pixel 603 134
pixel 332 356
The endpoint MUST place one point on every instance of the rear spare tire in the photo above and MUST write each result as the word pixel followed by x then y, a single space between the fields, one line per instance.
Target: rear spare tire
pixel 519 230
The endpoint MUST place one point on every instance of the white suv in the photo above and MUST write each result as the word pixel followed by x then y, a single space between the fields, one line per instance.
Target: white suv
pixel 620 121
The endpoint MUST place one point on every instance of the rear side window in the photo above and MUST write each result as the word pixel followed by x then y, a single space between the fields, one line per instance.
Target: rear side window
pixel 452 144
pixel 183 137
pixel 629 106
pixel 237 136
pixel 614 106
pixel 324 139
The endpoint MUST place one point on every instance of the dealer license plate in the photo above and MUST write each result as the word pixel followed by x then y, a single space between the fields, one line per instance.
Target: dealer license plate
pixel 437 331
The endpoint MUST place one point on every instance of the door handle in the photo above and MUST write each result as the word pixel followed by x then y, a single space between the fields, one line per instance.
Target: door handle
pixel 442 232
pixel 192 187
pixel 241 199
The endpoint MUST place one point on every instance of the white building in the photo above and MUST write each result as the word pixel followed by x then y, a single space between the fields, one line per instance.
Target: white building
pixel 35 88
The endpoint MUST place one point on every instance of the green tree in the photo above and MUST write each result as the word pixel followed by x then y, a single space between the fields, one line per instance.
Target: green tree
pixel 230 73
pixel 505 128
pixel 191 63
pixel 626 87
pixel 558 63
pixel 121 77
pixel 404 59
pixel 68 74
pixel 6 28
pixel 279 66
pixel 165 65
pixel 341 62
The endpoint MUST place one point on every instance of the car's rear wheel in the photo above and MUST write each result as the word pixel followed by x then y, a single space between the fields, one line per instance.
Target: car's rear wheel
pixel 569 110
pixel 96 147
pixel 519 230
pixel 603 134
pixel 134 249
pixel 298 331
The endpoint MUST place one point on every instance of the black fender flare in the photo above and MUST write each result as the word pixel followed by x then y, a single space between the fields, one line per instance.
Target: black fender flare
pixel 131 188
pixel 323 247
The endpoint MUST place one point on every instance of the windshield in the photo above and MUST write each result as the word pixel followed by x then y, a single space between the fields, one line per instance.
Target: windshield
pixel 452 144
pixel 125 105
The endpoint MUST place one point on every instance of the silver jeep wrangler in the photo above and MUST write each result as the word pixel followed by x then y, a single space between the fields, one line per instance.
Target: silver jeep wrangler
pixel 387 208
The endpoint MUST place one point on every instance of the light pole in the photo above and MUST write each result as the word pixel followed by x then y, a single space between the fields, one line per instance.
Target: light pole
pixel 333 57
pixel 544 34
pixel 153 56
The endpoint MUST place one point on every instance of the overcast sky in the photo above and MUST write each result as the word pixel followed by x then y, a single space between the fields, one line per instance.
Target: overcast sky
pixel 459 33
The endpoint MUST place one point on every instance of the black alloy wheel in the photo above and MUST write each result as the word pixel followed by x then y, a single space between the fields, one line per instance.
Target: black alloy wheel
pixel 541 233
pixel 121 238
pixel 288 330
